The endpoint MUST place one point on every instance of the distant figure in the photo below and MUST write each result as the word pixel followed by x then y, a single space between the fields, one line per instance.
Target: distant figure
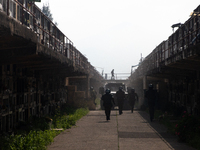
pixel 120 99
pixel 132 98
pixel 93 94
pixel 108 102
pixel 106 76
pixel 112 75
pixel 151 97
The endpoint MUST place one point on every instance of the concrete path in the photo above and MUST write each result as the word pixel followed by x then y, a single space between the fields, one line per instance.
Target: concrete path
pixel 129 131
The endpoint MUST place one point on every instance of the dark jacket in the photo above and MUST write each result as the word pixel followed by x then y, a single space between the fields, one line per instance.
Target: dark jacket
pixel 151 96
pixel 108 100
pixel 132 98
pixel 120 96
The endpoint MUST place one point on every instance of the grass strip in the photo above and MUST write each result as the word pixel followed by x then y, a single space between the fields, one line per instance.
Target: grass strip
pixel 39 135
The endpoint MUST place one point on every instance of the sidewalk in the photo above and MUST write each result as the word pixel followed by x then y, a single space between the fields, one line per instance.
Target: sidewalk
pixel 129 131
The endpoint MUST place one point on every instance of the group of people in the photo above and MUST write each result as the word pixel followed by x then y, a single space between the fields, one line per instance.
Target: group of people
pixel 108 100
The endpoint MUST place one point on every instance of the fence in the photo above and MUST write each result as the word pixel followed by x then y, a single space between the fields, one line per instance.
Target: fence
pixel 178 46
pixel 117 76
pixel 28 14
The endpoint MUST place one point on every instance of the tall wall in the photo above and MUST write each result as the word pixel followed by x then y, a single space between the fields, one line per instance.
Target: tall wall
pixel 25 93
pixel 173 68
pixel 35 60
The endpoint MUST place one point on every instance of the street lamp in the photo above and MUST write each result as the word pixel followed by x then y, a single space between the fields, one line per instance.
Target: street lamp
pixel 133 67
pixel 176 25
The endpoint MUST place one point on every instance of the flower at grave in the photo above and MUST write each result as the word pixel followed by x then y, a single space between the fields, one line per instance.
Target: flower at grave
pixel 187 127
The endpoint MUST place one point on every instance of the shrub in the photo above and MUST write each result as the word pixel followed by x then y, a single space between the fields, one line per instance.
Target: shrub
pixel 40 136
pixel 188 128
pixel 36 140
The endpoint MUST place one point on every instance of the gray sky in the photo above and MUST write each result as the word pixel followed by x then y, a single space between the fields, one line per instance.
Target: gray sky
pixel 113 34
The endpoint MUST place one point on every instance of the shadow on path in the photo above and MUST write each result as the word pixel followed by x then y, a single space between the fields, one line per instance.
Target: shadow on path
pixel 161 131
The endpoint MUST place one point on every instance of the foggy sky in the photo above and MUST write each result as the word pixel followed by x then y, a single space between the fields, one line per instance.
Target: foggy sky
pixel 113 34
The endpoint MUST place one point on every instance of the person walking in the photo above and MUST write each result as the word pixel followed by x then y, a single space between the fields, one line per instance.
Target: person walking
pixel 120 95
pixel 151 97
pixel 108 102
pixel 132 98
pixel 93 94
pixel 112 75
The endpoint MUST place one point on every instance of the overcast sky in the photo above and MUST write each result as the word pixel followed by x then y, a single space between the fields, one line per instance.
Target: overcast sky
pixel 113 34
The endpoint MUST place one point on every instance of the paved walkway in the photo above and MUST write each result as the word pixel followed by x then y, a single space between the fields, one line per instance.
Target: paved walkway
pixel 129 131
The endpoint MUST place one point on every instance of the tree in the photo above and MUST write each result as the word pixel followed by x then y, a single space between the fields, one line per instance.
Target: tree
pixel 46 10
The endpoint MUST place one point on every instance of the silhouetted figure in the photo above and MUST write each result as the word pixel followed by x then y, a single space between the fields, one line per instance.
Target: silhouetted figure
pixel 151 97
pixel 132 98
pixel 120 99
pixel 93 94
pixel 108 102
pixel 112 75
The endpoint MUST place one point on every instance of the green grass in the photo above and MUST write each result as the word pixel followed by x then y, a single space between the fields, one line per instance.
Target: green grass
pixel 39 136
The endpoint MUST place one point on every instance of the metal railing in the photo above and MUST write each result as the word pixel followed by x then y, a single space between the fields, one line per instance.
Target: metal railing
pixel 117 76
pixel 178 46
pixel 28 14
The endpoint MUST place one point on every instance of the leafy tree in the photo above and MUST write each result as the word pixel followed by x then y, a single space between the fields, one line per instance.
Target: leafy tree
pixel 46 10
